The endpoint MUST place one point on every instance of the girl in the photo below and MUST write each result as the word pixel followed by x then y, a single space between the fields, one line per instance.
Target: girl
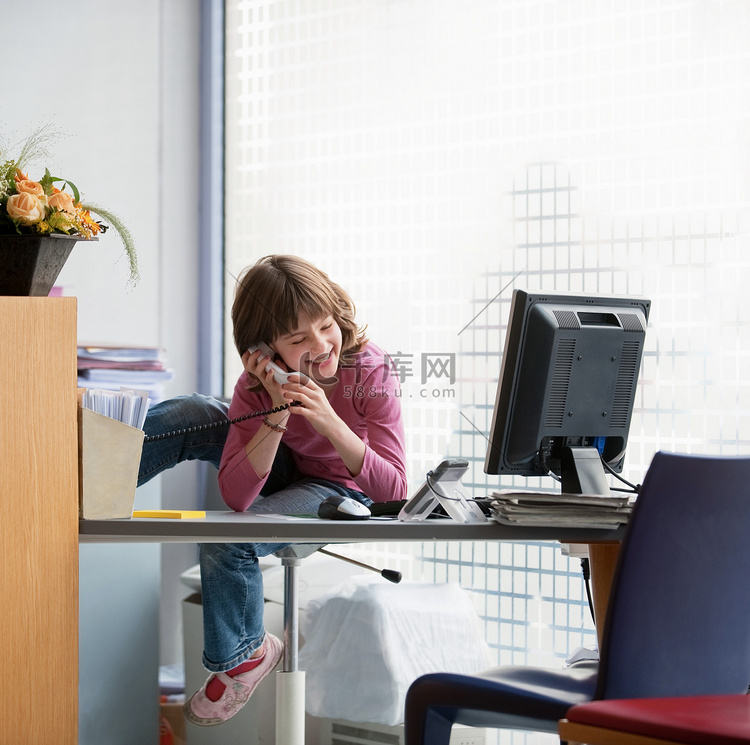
pixel 334 429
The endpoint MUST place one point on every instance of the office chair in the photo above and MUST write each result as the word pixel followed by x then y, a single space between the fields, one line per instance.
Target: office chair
pixel 678 621
pixel 686 720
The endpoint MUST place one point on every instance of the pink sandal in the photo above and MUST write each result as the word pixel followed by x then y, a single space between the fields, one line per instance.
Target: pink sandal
pixel 200 710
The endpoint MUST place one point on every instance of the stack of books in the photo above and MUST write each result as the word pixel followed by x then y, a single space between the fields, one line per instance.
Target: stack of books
pixel 112 368
pixel 553 509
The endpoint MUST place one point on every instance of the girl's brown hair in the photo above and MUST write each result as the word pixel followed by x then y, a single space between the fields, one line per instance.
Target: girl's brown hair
pixel 271 294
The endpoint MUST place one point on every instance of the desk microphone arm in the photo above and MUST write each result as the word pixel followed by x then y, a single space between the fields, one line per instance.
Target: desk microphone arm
pixel 389 574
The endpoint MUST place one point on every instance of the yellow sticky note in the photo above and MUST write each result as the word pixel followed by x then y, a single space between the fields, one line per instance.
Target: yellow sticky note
pixel 173 514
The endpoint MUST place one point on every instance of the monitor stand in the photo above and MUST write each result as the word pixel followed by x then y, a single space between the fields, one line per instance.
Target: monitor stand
pixel 582 472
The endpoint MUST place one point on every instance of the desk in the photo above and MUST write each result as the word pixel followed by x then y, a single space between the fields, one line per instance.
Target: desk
pixel 242 527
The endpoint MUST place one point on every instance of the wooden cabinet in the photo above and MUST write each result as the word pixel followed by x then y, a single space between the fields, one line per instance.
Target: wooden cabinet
pixel 38 522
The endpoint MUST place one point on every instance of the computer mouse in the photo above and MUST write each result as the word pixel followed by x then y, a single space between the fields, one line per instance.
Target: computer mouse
pixel 343 508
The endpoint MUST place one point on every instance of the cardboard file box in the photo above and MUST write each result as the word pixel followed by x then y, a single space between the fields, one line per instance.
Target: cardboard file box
pixel 109 455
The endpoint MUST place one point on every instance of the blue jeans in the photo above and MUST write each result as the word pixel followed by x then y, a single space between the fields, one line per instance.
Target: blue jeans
pixel 231 581
pixel 180 413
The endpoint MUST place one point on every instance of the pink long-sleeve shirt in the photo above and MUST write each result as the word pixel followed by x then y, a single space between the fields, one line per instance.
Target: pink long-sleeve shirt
pixel 366 397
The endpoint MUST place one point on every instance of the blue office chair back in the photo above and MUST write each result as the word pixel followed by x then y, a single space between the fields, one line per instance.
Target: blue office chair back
pixel 679 617
pixel 678 622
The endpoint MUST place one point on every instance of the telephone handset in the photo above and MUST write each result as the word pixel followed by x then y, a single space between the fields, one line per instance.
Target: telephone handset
pixel 280 375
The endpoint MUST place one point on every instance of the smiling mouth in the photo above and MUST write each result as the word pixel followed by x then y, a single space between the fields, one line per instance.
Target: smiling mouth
pixel 321 360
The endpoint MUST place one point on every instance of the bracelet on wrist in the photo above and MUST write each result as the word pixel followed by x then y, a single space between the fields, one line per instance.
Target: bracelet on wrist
pixel 274 426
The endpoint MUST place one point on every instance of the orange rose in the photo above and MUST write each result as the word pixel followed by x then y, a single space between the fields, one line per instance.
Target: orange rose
pixel 25 208
pixel 27 186
pixel 63 202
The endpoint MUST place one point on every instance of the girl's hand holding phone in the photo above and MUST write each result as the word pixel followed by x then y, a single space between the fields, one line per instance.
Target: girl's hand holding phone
pixel 256 364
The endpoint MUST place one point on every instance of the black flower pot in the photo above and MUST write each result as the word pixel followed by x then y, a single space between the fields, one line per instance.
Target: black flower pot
pixel 30 264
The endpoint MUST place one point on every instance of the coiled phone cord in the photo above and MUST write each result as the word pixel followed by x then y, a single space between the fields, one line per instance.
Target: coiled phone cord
pixel 219 423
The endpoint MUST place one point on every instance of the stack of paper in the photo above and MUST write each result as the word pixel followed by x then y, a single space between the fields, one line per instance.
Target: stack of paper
pixel 551 509
pixel 127 406
pixel 111 368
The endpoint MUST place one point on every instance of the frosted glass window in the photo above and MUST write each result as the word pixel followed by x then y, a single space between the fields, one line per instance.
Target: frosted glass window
pixel 432 156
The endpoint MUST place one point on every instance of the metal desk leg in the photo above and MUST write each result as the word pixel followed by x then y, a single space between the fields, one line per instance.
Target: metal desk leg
pixel 290 680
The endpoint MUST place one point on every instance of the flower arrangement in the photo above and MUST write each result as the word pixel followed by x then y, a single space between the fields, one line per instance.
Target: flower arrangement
pixel 29 207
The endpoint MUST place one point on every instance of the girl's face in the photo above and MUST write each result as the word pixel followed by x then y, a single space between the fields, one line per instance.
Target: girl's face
pixel 313 348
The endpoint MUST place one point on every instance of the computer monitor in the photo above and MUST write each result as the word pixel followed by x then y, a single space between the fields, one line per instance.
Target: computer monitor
pixel 567 387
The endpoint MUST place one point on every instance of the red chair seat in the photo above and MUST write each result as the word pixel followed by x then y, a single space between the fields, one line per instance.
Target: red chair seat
pixel 697 720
